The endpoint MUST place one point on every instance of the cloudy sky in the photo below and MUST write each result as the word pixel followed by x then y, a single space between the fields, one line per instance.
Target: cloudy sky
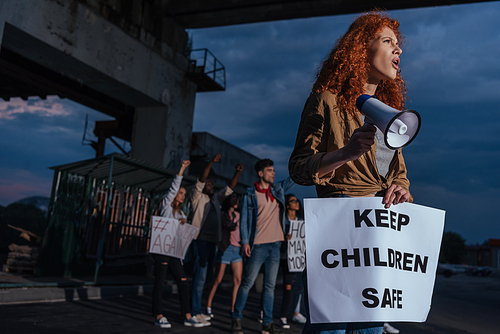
pixel 450 64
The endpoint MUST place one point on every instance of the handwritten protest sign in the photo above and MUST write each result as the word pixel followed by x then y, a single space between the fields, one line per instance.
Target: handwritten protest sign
pixel 368 263
pixel 297 246
pixel 169 237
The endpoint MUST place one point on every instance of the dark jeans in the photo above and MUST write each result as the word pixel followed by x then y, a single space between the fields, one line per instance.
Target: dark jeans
pixel 160 272
pixel 288 279
pixel 204 252
pixel 297 293
pixel 262 254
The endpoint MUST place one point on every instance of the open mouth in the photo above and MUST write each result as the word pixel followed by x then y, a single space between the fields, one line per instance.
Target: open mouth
pixel 395 62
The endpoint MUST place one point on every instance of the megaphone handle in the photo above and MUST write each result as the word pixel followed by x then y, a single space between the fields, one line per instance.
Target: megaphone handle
pixel 368 121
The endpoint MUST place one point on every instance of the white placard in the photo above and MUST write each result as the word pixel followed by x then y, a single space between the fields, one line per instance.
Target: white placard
pixel 367 263
pixel 169 237
pixel 296 255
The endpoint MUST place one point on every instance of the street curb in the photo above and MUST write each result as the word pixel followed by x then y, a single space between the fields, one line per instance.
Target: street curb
pixel 26 295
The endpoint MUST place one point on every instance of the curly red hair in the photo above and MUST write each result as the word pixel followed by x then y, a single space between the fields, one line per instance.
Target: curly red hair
pixel 346 69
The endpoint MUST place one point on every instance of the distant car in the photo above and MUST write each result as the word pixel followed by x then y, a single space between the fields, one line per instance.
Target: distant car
pixel 447 270
pixel 478 271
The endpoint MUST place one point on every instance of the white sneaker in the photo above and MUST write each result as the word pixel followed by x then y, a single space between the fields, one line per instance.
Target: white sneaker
pixel 192 322
pixel 209 312
pixel 284 323
pixel 202 318
pixel 163 323
pixel 389 329
pixel 299 318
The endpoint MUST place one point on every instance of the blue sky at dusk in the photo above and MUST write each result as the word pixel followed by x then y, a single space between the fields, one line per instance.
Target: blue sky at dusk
pixel 449 62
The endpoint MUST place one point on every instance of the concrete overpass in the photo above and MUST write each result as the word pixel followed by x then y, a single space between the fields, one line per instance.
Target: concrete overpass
pixel 128 59
pixel 215 13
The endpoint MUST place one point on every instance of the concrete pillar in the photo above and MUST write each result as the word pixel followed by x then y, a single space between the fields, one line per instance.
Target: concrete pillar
pixel 162 135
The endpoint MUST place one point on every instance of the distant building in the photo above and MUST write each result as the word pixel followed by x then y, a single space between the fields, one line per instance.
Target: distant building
pixel 477 255
pixel 205 145
pixel 483 255
pixel 495 253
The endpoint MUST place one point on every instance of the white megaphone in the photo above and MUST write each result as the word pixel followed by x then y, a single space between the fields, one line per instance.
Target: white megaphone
pixel 399 127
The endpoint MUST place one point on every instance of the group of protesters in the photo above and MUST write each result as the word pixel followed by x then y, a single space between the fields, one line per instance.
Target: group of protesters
pixel 229 230
pixel 335 150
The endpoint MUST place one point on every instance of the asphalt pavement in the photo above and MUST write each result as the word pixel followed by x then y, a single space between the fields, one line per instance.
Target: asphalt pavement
pixel 122 304
pixel 116 305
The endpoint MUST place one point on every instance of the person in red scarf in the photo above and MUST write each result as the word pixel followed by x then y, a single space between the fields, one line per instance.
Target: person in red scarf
pixel 261 230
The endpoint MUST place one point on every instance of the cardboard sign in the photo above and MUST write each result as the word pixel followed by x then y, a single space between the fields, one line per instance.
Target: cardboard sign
pixel 297 247
pixel 169 237
pixel 367 263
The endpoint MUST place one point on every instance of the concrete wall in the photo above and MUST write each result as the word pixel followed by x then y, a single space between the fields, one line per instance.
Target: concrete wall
pixel 205 146
pixel 128 42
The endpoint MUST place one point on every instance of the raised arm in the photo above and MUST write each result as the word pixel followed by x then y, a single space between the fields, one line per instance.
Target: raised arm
pixel 174 187
pixel 185 164
pixel 234 181
pixel 204 176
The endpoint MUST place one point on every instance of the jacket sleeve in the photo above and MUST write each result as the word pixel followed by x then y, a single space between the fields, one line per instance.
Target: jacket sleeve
pixel 221 195
pixel 172 192
pixel 286 223
pixel 197 192
pixel 310 144
pixel 227 222
pixel 286 184
pixel 244 223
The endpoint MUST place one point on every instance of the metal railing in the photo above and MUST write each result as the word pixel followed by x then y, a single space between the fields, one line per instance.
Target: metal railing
pixel 203 62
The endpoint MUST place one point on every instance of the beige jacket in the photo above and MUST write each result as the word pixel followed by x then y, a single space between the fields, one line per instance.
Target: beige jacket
pixel 201 205
pixel 322 129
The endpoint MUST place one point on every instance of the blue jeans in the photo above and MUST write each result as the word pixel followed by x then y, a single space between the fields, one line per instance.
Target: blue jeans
pixel 204 253
pixel 337 328
pixel 268 254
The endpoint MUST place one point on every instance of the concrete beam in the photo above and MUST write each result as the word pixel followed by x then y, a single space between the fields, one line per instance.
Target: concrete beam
pixel 215 13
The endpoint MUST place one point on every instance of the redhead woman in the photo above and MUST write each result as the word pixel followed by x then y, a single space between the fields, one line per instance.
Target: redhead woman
pixel 334 151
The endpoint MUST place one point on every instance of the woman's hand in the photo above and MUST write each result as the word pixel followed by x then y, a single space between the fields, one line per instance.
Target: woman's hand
pixel 239 167
pixel 361 141
pixel 288 236
pixel 217 158
pixel 185 164
pixel 395 195
pixel 183 221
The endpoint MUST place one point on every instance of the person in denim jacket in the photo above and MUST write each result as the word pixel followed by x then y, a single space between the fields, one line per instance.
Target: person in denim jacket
pixel 261 228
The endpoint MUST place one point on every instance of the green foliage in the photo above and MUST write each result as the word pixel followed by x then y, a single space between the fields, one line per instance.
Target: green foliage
pixel 452 248
pixel 25 216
